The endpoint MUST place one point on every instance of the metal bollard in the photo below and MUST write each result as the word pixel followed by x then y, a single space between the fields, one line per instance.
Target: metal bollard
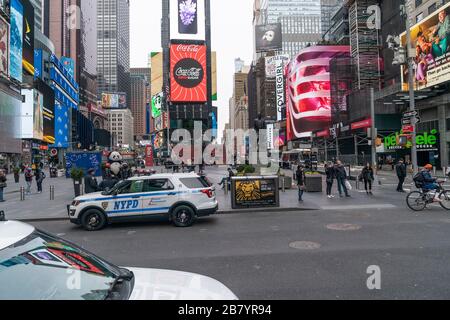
pixel 22 193
pixel 52 193
pixel 283 184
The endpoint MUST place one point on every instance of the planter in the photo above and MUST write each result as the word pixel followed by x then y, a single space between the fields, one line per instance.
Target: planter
pixel 287 182
pixel 314 183
pixel 77 188
pixel 16 178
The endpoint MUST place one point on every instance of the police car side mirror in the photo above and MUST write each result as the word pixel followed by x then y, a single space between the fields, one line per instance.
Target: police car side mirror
pixel 2 216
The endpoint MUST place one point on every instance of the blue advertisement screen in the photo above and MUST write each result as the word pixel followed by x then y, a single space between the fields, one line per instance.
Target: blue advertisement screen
pixel 38 63
pixel 61 126
pixel 85 161
pixel 16 50
pixel 69 64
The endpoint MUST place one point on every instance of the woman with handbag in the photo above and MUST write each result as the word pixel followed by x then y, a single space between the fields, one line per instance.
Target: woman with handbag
pixel 368 176
pixel 300 175
pixel 2 185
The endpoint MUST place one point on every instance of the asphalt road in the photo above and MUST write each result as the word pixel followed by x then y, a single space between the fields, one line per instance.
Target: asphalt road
pixel 251 253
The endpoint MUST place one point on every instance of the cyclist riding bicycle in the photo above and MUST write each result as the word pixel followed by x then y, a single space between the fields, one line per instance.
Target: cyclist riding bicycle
pixel 429 183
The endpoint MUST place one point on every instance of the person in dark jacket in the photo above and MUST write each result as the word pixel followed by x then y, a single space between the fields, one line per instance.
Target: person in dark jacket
pixel 2 185
pixel 28 179
pixel 329 171
pixel 108 183
pixel 401 174
pixel 90 182
pixel 300 177
pixel 341 178
pixel 40 176
pixel 368 176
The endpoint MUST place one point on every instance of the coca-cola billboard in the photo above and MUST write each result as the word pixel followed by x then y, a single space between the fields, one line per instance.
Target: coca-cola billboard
pixel 188 73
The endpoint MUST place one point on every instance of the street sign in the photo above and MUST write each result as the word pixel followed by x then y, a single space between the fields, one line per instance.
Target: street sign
pixel 416 120
pixel 406 122
pixel 410 114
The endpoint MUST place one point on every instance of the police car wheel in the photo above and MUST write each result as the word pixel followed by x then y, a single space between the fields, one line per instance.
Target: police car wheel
pixel 183 217
pixel 93 220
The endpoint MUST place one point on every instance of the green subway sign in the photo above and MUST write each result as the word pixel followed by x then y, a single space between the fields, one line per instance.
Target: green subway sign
pixel 424 141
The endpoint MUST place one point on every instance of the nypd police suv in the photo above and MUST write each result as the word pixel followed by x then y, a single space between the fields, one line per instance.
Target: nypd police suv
pixel 182 197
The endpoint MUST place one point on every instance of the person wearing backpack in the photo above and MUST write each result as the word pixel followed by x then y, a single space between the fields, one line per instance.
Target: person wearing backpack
pixel 401 174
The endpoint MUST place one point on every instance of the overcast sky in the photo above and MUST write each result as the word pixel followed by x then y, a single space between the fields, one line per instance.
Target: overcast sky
pixel 231 37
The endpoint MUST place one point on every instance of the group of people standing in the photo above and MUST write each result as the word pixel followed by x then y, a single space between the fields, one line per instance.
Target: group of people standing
pixel 37 175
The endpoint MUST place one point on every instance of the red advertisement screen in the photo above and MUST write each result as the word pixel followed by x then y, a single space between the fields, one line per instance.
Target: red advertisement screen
pixel 308 87
pixel 188 73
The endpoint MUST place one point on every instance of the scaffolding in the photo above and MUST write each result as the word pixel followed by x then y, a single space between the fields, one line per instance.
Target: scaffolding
pixel 365 44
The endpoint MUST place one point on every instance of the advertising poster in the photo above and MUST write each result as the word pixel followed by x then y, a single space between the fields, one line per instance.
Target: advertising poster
pixel 187 20
pixel 188 73
pixel 48 111
pixel 61 126
pixel 28 37
pixel 157 105
pixel 111 100
pixel 268 37
pixel 431 39
pixel 156 72
pixel 273 62
pixel 85 161
pixel 255 192
pixel 122 100
pixel 38 63
pixel 308 90
pixel 69 64
pixel 149 156
pixel 4 47
pixel 38 116
pixel 16 48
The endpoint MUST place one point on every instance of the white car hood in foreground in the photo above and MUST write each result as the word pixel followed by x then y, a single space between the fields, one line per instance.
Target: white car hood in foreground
pixel 155 284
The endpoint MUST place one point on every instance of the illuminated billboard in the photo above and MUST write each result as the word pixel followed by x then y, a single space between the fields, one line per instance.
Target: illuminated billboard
pixel 188 73
pixel 308 92
pixel 187 20
pixel 214 75
pixel 157 105
pixel 32 115
pixel 28 37
pixel 431 40
pixel 16 47
pixel 114 100
pixel 4 47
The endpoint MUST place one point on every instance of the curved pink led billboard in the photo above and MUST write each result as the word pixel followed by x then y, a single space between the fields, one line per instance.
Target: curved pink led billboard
pixel 308 90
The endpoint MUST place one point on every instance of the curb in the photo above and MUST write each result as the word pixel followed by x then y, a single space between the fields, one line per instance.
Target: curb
pixel 224 212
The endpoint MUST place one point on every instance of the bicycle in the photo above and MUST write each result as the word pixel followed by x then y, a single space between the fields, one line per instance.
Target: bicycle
pixel 419 200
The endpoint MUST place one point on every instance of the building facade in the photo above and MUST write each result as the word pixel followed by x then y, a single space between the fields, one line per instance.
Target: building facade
pixel 139 99
pixel 113 46
pixel 121 124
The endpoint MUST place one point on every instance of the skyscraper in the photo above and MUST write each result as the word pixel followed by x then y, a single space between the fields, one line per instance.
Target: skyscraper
pixel 140 93
pixel 113 46
pixel 328 9
pixel 38 13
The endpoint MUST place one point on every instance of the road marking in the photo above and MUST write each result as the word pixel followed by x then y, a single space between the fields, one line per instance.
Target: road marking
pixel 343 227
pixel 304 245
pixel 361 206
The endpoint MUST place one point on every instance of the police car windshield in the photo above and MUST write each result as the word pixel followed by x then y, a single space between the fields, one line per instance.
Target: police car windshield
pixel 117 188
pixel 44 267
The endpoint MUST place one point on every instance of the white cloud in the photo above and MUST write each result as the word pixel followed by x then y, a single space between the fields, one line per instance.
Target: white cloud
pixel 231 27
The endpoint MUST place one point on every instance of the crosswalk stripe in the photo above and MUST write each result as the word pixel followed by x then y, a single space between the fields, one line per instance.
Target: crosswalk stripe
pixel 359 207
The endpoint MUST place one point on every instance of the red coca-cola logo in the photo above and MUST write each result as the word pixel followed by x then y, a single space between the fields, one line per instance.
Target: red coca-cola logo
pixel 188 48
pixel 188 73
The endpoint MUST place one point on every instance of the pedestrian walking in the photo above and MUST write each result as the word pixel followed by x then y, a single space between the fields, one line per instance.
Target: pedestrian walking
pixel 2 184
pixel 401 174
pixel 40 176
pixel 331 175
pixel 368 177
pixel 300 177
pixel 28 179
pixel 341 178
pixel 90 182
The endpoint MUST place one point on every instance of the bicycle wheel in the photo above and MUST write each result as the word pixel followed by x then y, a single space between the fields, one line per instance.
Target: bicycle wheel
pixel 416 201
pixel 445 200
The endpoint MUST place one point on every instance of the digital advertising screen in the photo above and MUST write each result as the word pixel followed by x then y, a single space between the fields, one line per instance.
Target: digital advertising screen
pixel 48 108
pixel 38 115
pixel 4 47
pixel 16 42
pixel 157 105
pixel 268 37
pixel 61 126
pixel 69 64
pixel 187 20
pixel 308 90
pixel 28 37
pixel 188 73
pixel 156 61
pixel 431 40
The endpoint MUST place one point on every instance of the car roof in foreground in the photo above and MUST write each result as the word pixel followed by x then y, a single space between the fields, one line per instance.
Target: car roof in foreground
pixel 167 175
pixel 12 232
